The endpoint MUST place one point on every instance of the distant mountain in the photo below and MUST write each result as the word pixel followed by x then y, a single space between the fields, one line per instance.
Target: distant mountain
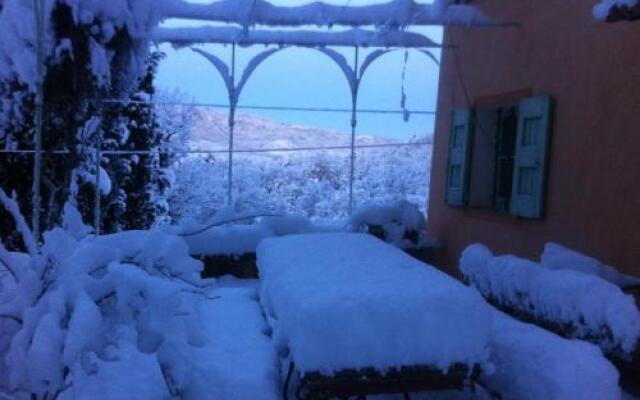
pixel 210 132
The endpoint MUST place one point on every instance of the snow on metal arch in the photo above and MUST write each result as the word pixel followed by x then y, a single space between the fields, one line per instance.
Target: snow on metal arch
pixel 394 14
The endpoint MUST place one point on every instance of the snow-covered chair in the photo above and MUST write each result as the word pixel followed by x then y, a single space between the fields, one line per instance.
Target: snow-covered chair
pixel 354 316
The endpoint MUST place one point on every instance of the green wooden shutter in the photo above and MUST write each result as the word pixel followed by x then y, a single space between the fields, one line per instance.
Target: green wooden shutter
pixel 458 164
pixel 531 161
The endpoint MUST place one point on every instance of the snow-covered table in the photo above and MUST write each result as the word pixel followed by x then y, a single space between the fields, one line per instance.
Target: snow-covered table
pixel 344 303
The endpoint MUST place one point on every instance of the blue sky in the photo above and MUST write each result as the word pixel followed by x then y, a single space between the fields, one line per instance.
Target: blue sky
pixel 303 77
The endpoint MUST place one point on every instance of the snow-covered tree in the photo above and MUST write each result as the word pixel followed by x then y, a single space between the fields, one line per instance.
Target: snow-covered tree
pixel 93 50
pixel 139 180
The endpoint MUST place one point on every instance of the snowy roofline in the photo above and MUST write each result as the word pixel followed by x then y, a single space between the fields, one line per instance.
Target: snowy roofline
pixel 395 13
pixel 181 37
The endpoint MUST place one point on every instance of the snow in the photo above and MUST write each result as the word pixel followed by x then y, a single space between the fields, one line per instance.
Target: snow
pixel 233 240
pixel 602 9
pixel 341 300
pixel 181 37
pixel 106 317
pixel 556 256
pixel 86 303
pixel 239 361
pixel 400 220
pixel 395 13
pixel 585 305
pixel 17 34
pixel 396 219
pixel 532 363
pixel 235 360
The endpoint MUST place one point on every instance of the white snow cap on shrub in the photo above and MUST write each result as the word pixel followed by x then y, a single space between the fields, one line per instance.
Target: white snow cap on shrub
pixel 589 306
pixel 601 10
pixel 396 220
pixel 556 256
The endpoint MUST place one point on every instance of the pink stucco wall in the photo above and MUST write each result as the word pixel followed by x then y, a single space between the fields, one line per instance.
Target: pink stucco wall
pixel 592 71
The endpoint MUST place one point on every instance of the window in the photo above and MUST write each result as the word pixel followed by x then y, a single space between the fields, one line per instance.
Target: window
pixel 459 151
pixel 498 157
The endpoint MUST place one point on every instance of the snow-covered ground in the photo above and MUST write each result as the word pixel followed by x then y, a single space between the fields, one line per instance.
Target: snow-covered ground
pixel 126 315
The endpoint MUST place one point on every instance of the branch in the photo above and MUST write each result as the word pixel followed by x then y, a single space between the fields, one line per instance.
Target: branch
pixel 11 317
pixel 227 221
pixel 5 260
pixel 11 205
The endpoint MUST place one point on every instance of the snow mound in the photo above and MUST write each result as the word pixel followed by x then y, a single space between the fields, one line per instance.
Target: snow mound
pixel 401 223
pixel 100 317
pixel 233 240
pixel 346 300
pixel 576 304
pixel 532 363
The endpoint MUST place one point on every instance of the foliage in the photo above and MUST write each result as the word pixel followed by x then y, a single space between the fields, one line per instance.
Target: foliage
pixel 314 184
pixel 80 307
pixel 90 58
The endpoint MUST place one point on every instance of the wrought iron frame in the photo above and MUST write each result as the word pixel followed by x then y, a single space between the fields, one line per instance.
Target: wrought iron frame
pixel 352 73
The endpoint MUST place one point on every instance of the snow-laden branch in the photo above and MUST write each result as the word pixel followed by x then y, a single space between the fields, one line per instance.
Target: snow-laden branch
pixel 181 37
pixel 396 13
pixel 6 262
pixel 12 207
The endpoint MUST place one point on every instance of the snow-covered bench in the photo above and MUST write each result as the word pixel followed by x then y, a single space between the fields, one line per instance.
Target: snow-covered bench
pixel 357 316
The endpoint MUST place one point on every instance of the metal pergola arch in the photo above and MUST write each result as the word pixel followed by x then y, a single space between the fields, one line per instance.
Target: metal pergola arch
pixel 353 75
pixel 390 19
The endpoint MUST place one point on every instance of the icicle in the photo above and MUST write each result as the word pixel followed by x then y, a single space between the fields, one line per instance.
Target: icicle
pixel 403 96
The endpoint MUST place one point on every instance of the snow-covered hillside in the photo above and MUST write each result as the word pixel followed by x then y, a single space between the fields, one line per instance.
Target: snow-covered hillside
pixel 210 132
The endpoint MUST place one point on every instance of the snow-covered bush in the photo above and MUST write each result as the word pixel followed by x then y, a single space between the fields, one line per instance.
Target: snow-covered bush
pixel 556 256
pixel 400 223
pixel 532 364
pixel 314 184
pixel 104 309
pixel 570 303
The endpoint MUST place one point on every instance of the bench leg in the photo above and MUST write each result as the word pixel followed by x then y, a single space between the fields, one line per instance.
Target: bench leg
pixel 406 396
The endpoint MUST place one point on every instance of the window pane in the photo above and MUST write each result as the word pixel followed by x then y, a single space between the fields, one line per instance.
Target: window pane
pixel 458 137
pixel 530 132
pixel 454 176
pixel 527 180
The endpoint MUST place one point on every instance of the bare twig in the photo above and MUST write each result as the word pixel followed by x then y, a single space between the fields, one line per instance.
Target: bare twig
pixel 226 221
